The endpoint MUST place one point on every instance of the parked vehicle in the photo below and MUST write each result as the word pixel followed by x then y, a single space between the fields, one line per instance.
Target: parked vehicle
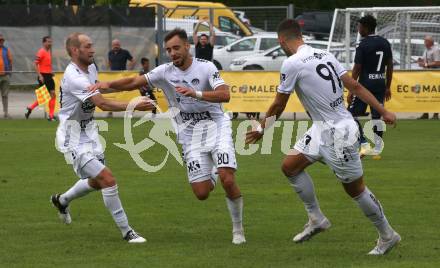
pixel 242 16
pixel 245 46
pixel 271 59
pixel 224 18
pixel 317 23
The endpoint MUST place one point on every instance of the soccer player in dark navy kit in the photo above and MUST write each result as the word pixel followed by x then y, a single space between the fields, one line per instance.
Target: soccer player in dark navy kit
pixel 373 66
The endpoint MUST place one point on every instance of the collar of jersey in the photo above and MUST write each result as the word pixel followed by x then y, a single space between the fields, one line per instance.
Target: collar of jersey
pixel 301 47
pixel 189 68
pixel 77 67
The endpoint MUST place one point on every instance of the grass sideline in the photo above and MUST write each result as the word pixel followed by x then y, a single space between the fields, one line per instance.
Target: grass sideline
pixel 184 232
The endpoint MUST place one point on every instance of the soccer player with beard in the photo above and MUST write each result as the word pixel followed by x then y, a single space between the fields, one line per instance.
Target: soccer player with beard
pixel 77 135
pixel 195 88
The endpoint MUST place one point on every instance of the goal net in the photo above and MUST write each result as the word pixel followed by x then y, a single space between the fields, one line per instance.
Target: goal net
pixel 404 27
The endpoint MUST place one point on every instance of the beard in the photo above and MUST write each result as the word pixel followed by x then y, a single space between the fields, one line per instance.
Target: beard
pixel 287 51
pixel 181 62
pixel 86 60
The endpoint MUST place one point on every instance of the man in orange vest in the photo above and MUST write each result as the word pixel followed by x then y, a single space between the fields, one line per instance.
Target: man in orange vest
pixel 5 68
pixel 43 67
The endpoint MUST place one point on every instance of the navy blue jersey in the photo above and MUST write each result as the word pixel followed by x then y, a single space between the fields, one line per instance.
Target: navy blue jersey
pixel 372 54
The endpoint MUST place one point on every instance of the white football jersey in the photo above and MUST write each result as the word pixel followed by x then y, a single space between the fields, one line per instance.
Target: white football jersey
pixel 202 75
pixel 315 75
pixel 77 125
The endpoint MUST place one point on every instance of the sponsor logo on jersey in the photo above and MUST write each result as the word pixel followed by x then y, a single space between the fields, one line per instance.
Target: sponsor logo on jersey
pixel 88 106
pixel 195 117
pixel 216 76
pixel 337 102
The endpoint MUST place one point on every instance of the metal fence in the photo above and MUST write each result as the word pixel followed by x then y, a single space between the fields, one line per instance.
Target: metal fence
pixel 404 27
pixel 25 39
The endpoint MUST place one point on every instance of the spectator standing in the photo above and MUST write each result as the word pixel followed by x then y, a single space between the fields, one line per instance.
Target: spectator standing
pixel 117 60
pixel 430 60
pixel 118 57
pixel 5 69
pixel 43 68
pixel 146 89
pixel 204 45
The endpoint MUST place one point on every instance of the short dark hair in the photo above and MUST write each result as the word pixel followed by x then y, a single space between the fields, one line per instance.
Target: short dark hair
pixel 45 38
pixel 369 22
pixel 205 35
pixel 144 60
pixel 177 31
pixel 290 28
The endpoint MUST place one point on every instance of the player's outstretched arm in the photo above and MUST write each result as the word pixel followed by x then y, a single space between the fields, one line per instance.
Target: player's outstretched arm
pixel 124 84
pixel 116 106
pixel 357 89
pixel 275 109
pixel 220 94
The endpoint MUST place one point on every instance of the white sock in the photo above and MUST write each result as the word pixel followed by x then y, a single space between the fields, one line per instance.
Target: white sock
pixel 114 206
pixel 373 210
pixel 303 186
pixel 79 189
pixel 235 208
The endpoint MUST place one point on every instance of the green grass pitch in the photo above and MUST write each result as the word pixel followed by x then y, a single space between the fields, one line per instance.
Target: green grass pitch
pixel 184 232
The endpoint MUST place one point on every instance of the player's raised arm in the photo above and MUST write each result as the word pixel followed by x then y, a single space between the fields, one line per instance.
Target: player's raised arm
pixel 357 89
pixel 124 84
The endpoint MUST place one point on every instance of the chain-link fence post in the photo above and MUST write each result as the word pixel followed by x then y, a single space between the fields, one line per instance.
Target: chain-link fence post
pixel 290 11
pixel 160 33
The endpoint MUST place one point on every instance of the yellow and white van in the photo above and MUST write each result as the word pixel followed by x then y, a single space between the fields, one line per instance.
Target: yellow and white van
pixel 223 17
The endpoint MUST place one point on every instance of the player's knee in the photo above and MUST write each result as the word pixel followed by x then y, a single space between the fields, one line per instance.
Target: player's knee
pixel 202 195
pixel 227 178
pixel 289 171
pixel 106 178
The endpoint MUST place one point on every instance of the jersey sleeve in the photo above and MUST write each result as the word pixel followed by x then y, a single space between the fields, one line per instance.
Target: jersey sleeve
pixel 288 77
pixel 39 56
pixel 79 89
pixel 339 69
pixel 215 79
pixel 358 58
pixel 155 76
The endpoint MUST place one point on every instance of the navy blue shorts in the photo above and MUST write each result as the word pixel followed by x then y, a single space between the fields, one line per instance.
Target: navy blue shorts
pixel 359 108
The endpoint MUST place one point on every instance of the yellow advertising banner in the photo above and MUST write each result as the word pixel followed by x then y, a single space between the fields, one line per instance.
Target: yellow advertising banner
pixel 254 91
pixel 416 91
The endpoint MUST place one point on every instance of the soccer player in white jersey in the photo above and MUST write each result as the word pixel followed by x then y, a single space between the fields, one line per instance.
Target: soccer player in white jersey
pixel 77 135
pixel 195 88
pixel 317 78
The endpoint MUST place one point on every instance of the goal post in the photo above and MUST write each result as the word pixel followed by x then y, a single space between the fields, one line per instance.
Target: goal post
pixel 404 27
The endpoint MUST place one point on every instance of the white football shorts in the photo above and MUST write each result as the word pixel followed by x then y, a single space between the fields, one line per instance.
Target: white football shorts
pixel 209 152
pixel 86 162
pixel 336 145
